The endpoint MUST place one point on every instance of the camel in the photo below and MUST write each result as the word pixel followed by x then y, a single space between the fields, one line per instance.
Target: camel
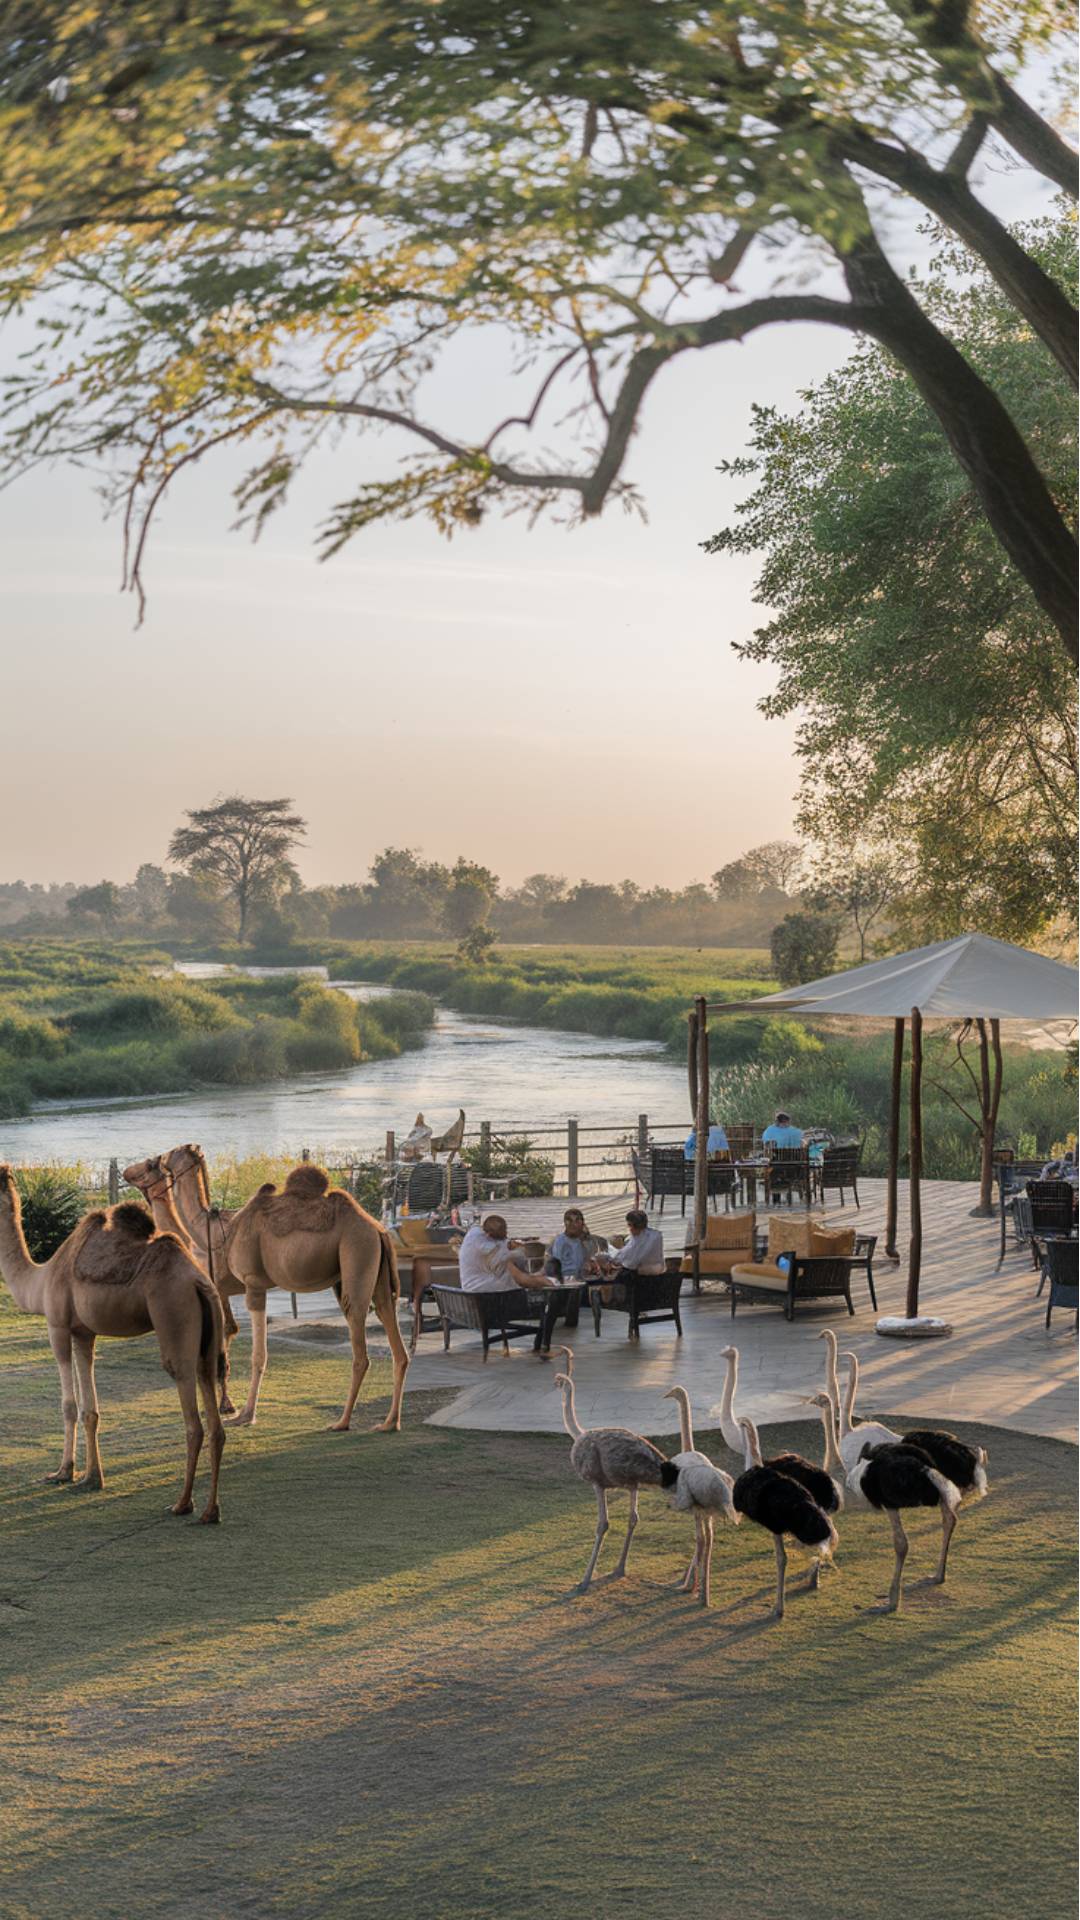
pixel 116 1278
pixel 309 1265
pixel 154 1181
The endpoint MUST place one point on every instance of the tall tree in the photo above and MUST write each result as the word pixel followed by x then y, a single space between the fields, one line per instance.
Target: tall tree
pixel 259 222
pixel 243 845
pixel 101 902
pixel 859 887
pixel 937 712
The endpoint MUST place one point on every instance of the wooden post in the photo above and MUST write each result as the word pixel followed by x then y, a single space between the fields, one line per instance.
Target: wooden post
pixel 114 1182
pixel 915 1168
pixel 892 1170
pixel 691 1058
pixel 989 1102
pixel 701 1122
pixel 571 1159
pixel 305 1153
pixel 643 1133
pixel 485 1137
pixel 390 1147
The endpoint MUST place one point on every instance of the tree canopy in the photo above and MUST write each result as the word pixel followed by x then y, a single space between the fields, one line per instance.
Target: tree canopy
pixel 243 846
pixel 262 221
pixel 939 727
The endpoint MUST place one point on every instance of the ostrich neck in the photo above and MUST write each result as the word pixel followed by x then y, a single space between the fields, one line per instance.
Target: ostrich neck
pixel 570 1420
pixel 833 1461
pixel 686 1430
pixel 847 1410
pixel 727 1403
pixel 25 1280
pixel 751 1448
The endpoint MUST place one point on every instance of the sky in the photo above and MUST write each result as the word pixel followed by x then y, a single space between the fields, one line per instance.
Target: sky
pixel 537 699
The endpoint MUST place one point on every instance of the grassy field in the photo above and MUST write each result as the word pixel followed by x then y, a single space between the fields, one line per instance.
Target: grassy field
pixel 368 1693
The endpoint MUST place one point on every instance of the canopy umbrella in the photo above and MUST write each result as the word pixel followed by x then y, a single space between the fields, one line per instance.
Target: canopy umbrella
pixel 969 978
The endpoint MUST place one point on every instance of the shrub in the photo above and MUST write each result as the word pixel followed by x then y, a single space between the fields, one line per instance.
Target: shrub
pixel 513 1159
pixel 52 1206
pixel 804 946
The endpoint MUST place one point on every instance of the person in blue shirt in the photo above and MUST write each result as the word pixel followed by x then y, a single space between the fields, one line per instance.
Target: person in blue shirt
pixel 782 1133
pixel 718 1141
pixel 573 1249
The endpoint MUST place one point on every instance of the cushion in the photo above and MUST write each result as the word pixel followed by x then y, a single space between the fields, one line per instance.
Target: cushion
pixel 761 1273
pixel 789 1236
pixel 729 1230
pixel 412 1233
pixel 717 1259
pixel 833 1243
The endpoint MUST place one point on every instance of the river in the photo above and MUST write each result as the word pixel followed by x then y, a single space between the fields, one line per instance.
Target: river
pixel 498 1071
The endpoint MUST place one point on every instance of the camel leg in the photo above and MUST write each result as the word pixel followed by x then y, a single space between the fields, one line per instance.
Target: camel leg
pixel 256 1306
pixel 193 1427
pixel 602 1525
pixel 360 1365
pixel 421 1279
pixel 709 1531
pixel 948 1527
pixel 211 1513
pixel 900 1542
pixel 83 1351
pixel 387 1313
pixel 781 1570
pixel 60 1342
pixel 226 1403
pixel 630 1525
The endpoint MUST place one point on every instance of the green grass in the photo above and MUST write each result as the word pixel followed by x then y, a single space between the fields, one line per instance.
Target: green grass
pixel 367 1693
pixel 102 1022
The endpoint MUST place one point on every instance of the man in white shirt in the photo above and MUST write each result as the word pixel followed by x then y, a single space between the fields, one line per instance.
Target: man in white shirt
pixel 643 1252
pixel 486 1261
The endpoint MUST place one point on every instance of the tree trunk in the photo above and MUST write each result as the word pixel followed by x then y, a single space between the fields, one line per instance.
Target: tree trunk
pixel 701 1123
pixel 894 1140
pixel 1013 494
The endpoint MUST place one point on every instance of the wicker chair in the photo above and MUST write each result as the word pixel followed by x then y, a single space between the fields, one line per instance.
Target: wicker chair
pixel 1011 1178
pixel 838 1169
pixel 789 1172
pixel 494 1316
pixel 1053 1207
pixel 740 1140
pixel 670 1173
pixel 642 1297
pixel 819 1278
pixel 1060 1268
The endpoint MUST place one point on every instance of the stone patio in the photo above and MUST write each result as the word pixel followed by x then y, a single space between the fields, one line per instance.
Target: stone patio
pixel 999 1366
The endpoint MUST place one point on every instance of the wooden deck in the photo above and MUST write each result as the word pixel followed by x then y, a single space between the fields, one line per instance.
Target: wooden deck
pixel 1000 1365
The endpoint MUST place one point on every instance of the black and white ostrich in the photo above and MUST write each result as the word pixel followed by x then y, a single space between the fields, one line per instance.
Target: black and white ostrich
pixel 965 1466
pixel 609 1457
pixel 700 1488
pixel 854 1435
pixel 774 1499
pixel 892 1478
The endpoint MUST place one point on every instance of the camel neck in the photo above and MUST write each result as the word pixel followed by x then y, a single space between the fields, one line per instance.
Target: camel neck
pixel 189 1204
pixel 25 1280
pixel 166 1217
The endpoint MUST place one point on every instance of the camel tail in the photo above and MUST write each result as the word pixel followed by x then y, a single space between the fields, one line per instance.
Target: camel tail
pixel 388 1284
pixel 212 1343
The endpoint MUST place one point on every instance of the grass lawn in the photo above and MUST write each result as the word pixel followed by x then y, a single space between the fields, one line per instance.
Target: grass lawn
pixel 367 1693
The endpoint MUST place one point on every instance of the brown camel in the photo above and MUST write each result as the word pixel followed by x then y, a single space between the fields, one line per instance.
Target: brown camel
pixel 154 1181
pixel 115 1277
pixel 308 1237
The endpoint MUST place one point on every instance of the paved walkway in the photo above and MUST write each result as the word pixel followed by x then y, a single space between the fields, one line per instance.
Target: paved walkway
pixel 999 1366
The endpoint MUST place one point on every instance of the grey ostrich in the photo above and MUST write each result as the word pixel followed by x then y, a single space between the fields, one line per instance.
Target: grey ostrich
pixel 609 1457
pixel 700 1488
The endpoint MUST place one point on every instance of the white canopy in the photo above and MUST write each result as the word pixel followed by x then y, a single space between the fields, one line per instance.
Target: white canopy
pixel 966 978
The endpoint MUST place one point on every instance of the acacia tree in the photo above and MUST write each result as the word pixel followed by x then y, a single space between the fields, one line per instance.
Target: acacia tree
pixel 260 221
pixel 242 845
pixel 937 717
pixel 861 888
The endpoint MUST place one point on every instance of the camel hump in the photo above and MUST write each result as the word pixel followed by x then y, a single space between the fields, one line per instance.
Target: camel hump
pixel 308 1181
pixel 131 1219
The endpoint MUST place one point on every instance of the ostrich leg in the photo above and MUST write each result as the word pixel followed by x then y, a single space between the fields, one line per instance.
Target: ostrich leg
pixel 602 1525
pixel 255 1301
pixel 689 1579
pixel 83 1351
pixel 781 1570
pixel 631 1523
pixel 900 1542
pixel 948 1527
pixel 708 1534
pixel 60 1342
pixel 193 1428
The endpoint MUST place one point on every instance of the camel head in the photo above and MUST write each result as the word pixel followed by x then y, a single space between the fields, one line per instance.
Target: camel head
pixel 9 1192
pixel 147 1174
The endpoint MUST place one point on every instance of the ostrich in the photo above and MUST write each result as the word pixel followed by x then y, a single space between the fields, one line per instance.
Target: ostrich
pixel 867 1433
pixel 609 1457
pixel 893 1477
pixel 699 1488
pixel 832 1463
pixel 729 1426
pixel 965 1466
pixel 824 1491
pixel 770 1497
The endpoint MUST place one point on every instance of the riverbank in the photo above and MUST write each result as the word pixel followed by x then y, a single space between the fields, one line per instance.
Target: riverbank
pixel 98 1022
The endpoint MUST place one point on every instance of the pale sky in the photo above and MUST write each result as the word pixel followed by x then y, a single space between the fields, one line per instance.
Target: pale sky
pixel 536 699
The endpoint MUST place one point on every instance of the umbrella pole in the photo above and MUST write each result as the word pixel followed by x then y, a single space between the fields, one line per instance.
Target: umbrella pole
pixel 915 1169
pixel 894 1140
pixel 701 1123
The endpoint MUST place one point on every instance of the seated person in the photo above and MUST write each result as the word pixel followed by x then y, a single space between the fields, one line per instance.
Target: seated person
pixel 718 1141
pixel 643 1252
pixel 486 1263
pixel 782 1133
pixel 573 1249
